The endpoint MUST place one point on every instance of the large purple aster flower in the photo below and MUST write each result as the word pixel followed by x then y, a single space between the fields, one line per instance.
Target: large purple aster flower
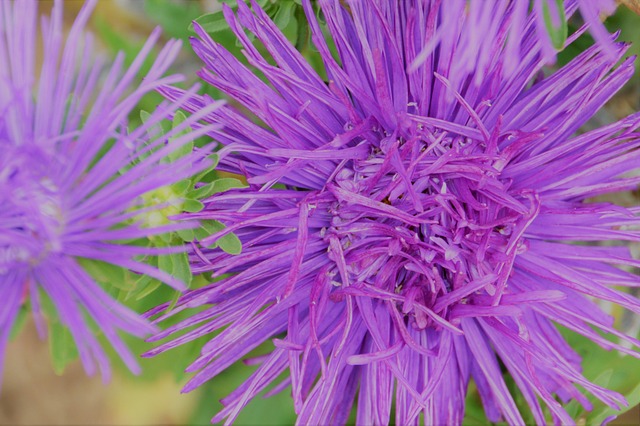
pixel 416 222
pixel 72 176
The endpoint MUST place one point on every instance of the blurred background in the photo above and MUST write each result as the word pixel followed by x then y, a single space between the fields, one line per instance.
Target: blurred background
pixel 34 394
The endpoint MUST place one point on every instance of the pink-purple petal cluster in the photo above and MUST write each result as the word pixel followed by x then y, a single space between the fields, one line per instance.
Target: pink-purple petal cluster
pixel 63 195
pixel 419 221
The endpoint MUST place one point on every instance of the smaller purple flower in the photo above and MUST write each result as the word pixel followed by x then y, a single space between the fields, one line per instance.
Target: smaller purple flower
pixel 73 176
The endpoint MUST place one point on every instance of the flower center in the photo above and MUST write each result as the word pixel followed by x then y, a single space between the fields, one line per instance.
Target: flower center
pixel 32 216
pixel 426 219
pixel 164 196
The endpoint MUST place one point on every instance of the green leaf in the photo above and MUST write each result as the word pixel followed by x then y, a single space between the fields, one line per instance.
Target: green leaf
pixel 155 131
pixel 173 17
pixel 192 206
pixel 18 324
pixel 230 243
pixel 186 148
pixel 144 287
pixel 177 265
pixel 165 238
pixel 215 158
pixel 144 116
pixel 181 268
pixel 218 185
pixel 181 187
pixel 284 13
pixel 187 235
pixel 165 263
pixel 558 34
pixel 203 192
pixel 609 369
pixel 211 22
pixel 283 19
pixel 106 273
pixel 204 176
pixel 208 227
pixel 61 345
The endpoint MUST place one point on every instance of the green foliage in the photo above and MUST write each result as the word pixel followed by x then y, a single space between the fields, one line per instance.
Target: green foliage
pixel 176 264
pixel 184 149
pixel 107 274
pixel 474 411
pixel 558 33
pixel 116 42
pixel 608 369
pixel 287 15
pixel 172 16
pixel 622 20
pixel 273 410
pixel 61 345
pixel 19 322
pixel 218 185
pixel 185 196
pixel 63 349
pixel 230 243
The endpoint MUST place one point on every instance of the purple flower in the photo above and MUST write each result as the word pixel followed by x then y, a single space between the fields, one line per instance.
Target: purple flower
pixel 72 176
pixel 418 221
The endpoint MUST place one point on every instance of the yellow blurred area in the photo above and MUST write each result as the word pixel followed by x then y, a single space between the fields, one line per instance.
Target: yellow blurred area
pixel 125 15
pixel 32 394
pixel 119 15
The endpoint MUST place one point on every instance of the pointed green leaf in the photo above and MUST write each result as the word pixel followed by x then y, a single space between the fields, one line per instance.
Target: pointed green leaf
pixel 284 13
pixel 106 273
pixel 145 287
pixel 185 149
pixel 181 187
pixel 187 235
pixel 208 227
pixel 211 22
pixel 192 206
pixel 164 238
pixel 19 322
pixel 181 268
pixel 61 345
pixel 165 263
pixel 557 34
pixel 218 185
pixel 230 243
pixel 215 158
pixel 144 116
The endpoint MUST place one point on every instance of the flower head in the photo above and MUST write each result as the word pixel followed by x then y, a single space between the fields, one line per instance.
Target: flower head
pixel 72 175
pixel 409 224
